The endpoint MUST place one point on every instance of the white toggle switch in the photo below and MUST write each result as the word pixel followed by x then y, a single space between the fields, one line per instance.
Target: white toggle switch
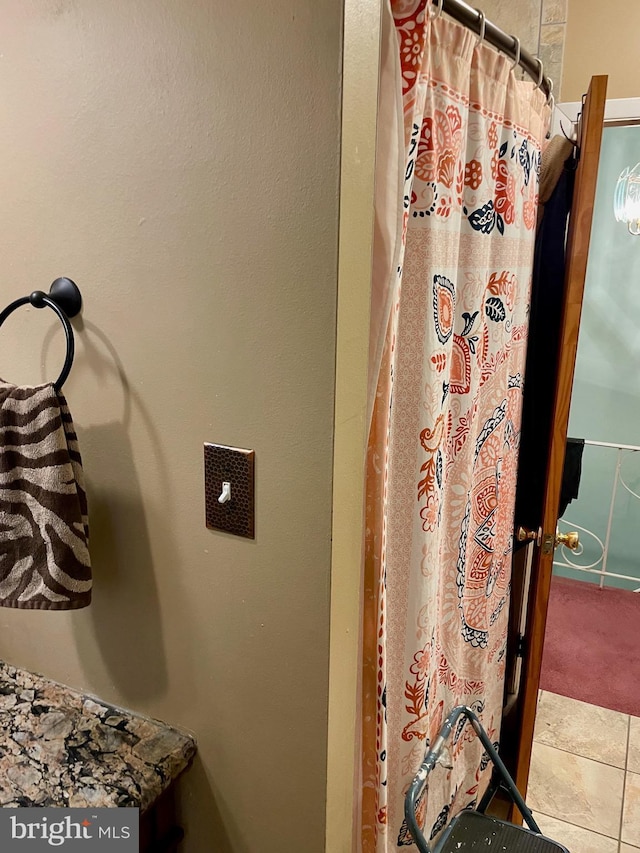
pixel 226 493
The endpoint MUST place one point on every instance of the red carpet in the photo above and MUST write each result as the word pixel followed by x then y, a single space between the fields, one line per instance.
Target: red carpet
pixel 592 645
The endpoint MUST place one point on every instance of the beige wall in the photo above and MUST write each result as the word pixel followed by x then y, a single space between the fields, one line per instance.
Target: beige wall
pixel 179 160
pixel 602 39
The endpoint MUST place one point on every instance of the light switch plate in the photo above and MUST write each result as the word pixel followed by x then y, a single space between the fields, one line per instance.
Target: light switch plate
pixel 235 466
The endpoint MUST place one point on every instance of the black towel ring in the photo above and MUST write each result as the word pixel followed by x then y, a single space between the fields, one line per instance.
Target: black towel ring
pixel 65 300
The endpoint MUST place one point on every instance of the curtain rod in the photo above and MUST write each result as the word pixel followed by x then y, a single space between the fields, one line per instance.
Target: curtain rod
pixel 508 44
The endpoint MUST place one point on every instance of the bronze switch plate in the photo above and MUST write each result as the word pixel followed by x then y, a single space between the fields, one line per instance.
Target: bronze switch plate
pixel 234 466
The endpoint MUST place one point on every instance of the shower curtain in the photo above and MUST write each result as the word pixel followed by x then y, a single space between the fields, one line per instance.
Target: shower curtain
pixel 455 220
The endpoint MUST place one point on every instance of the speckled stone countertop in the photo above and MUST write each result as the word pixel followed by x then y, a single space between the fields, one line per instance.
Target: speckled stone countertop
pixel 61 748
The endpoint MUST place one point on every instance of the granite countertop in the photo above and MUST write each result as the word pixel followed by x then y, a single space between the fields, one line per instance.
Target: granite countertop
pixel 59 747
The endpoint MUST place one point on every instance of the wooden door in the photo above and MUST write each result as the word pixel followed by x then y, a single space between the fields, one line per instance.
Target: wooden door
pixel 578 238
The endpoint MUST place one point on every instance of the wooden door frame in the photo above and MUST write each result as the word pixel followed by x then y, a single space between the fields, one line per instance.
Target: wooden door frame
pixel 578 239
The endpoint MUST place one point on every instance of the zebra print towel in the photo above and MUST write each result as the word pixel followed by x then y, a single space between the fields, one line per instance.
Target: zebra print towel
pixel 44 534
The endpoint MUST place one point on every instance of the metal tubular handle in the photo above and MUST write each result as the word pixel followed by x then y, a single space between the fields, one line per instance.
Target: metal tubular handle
pixel 430 760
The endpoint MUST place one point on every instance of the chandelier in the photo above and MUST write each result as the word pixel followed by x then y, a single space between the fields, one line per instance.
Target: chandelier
pixel 626 200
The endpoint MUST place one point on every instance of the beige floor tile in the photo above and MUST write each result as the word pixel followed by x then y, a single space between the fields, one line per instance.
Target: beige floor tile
pixel 583 729
pixel 577 790
pixel 631 814
pixel 634 746
pixel 574 838
pixel 627 848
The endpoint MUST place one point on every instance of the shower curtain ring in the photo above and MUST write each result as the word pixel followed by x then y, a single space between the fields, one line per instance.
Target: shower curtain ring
pixel 550 98
pixel 540 71
pixel 482 25
pixel 440 5
pixel 550 82
pixel 517 46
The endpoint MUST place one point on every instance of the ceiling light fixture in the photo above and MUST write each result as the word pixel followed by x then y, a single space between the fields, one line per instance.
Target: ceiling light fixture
pixel 626 199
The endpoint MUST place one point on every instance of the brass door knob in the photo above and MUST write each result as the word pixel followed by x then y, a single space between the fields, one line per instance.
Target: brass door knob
pixel 570 540
pixel 523 534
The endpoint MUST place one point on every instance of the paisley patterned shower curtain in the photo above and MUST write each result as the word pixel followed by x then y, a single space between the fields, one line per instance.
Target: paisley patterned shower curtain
pixel 451 293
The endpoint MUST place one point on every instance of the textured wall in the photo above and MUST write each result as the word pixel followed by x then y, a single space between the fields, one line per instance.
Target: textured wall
pixel 540 25
pixel 179 159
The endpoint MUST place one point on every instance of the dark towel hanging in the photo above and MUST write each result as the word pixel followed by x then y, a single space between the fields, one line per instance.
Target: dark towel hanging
pixel 571 473
pixel 542 352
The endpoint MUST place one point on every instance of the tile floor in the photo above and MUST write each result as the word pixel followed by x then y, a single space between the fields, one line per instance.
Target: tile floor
pixel 584 787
